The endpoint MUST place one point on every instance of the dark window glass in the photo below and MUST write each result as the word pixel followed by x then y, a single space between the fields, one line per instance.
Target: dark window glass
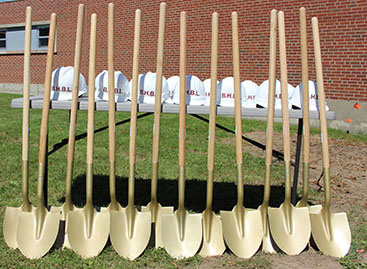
pixel 2 44
pixel 44 31
pixel 2 34
pixel 43 42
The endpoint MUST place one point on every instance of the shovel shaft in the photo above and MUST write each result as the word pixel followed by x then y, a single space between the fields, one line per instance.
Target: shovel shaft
pixel 74 105
pixel 26 89
pixel 237 87
pixel 271 93
pixel 158 84
pixel 209 190
pixel 181 189
pixel 182 116
pixel 305 91
pixel 46 95
pixel 154 183
pixel 111 104
pixel 323 122
pixel 284 86
pixel 26 83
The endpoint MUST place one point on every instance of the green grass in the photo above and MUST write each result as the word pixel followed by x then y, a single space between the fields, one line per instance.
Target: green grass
pixel 196 164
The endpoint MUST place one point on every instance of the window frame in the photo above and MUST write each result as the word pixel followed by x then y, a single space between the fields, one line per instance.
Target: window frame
pixel 35 37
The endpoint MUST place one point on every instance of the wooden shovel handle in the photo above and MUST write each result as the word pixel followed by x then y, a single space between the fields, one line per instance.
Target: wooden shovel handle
pixel 47 91
pixel 182 116
pixel 91 88
pixel 237 87
pixel 134 98
pixel 320 92
pixel 158 83
pixel 75 91
pixel 26 83
pixel 271 92
pixel 111 83
pixel 305 91
pixel 284 86
pixel 213 91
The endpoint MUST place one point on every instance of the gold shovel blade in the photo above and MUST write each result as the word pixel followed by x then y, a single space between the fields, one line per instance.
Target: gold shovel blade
pixel 213 243
pixel 189 244
pixel 130 246
pixel 267 244
pixel 160 210
pixel 290 227
pixel 331 232
pixel 10 225
pixel 243 245
pixel 28 243
pixel 77 230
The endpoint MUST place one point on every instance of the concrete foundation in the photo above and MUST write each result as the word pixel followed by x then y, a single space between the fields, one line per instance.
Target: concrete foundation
pixel 348 118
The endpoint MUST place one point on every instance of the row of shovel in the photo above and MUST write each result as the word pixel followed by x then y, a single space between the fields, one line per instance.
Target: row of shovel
pixel 34 229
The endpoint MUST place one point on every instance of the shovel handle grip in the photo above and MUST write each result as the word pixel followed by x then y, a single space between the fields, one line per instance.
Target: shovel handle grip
pixel 134 99
pixel 46 95
pixel 271 90
pixel 305 91
pixel 75 90
pixel 237 87
pixel 284 86
pixel 158 83
pixel 182 116
pixel 111 84
pixel 26 83
pixel 91 88
pixel 320 92
pixel 213 91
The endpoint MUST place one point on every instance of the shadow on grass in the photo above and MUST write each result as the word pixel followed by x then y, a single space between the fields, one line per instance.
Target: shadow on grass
pixel 224 197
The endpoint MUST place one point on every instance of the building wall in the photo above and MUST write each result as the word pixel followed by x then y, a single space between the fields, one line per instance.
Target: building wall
pixel 343 25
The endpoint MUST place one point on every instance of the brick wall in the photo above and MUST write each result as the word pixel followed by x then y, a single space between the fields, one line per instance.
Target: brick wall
pixel 343 25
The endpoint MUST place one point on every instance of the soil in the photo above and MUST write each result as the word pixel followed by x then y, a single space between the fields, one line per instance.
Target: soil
pixel 348 168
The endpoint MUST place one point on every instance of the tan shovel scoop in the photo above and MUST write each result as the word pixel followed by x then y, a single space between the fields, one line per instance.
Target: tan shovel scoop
pixel 154 207
pixel 130 229
pixel 37 230
pixel 182 232
pixel 330 231
pixel 213 243
pixel 289 225
pixel 242 228
pixel 267 245
pixel 88 229
pixel 305 114
pixel 68 205
pixel 11 216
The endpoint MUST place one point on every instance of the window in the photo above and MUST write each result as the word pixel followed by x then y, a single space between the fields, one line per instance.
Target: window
pixel 2 39
pixel 12 38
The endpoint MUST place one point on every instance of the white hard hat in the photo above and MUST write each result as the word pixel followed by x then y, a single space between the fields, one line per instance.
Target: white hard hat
pixel 122 91
pixel 262 94
pixel 146 88
pixel 172 81
pixel 62 83
pixel 225 92
pixel 207 85
pixel 250 89
pixel 195 92
pixel 313 97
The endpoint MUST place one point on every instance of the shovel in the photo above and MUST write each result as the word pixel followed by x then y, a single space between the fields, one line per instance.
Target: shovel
pixel 267 245
pixel 68 205
pixel 88 229
pixel 242 228
pixel 330 231
pixel 11 216
pixel 154 207
pixel 130 229
pixel 289 225
pixel 37 230
pixel 213 243
pixel 182 234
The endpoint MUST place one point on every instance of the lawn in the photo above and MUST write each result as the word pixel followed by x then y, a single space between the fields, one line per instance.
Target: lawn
pixel 196 164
